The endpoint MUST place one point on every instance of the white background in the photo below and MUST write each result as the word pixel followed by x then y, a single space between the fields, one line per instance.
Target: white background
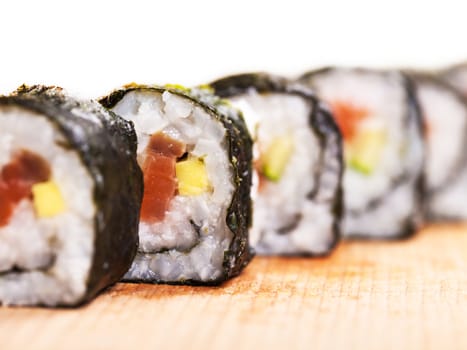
pixel 91 47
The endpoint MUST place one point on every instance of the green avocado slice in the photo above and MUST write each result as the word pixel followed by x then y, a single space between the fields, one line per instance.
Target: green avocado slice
pixel 276 157
pixel 364 153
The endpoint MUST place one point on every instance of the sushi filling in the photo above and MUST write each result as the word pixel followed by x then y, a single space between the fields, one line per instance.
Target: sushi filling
pixel 160 183
pixel 373 144
pixel 188 188
pixel 45 223
pixel 364 136
pixel 17 180
pixel 383 149
pixel 286 219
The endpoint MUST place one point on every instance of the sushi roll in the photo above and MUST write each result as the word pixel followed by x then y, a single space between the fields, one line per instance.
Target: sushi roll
pixel 444 113
pixel 298 162
pixel 456 76
pixel 383 148
pixel 70 195
pixel 195 153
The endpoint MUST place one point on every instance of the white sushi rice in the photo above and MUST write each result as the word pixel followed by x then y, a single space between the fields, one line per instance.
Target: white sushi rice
pixel 446 119
pixel 402 154
pixel 173 249
pixel 446 163
pixel 283 205
pixel 45 260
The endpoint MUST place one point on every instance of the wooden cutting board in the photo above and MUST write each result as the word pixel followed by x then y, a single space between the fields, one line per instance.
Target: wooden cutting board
pixel 368 295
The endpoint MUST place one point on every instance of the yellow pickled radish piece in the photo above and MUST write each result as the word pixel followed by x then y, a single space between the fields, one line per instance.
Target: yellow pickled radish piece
pixel 364 153
pixel 47 199
pixel 192 177
pixel 275 158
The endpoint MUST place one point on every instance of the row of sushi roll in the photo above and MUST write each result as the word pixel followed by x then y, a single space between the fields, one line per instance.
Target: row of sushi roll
pixel 88 197
pixel 165 184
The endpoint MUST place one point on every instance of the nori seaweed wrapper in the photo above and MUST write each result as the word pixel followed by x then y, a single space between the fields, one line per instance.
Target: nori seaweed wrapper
pixel 411 223
pixel 320 121
pixel 239 148
pixel 106 145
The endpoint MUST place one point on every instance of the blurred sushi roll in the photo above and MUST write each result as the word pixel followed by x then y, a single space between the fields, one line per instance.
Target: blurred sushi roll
pixel 195 153
pixel 70 194
pixel 298 162
pixel 444 113
pixel 456 76
pixel 383 148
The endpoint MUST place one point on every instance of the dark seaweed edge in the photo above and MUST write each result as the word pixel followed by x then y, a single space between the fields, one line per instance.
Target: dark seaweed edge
pixel 106 145
pixel 240 145
pixel 320 121
pixel 413 221
pixel 326 122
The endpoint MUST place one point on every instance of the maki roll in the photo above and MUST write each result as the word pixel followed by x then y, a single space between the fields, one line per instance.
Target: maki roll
pixel 70 194
pixel 456 76
pixel 383 148
pixel 445 119
pixel 298 162
pixel 195 153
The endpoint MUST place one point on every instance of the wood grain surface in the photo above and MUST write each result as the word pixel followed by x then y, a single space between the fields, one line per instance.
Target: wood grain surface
pixel 368 295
